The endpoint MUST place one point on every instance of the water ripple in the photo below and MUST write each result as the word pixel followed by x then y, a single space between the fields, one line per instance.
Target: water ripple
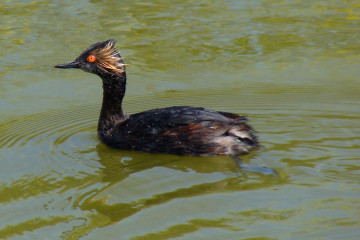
pixel 59 152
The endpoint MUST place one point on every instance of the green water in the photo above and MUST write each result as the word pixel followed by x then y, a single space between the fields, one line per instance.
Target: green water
pixel 291 66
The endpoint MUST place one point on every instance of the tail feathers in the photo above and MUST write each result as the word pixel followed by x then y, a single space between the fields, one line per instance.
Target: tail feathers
pixel 244 135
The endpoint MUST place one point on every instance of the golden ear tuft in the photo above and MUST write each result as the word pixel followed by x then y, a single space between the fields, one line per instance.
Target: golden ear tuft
pixel 109 59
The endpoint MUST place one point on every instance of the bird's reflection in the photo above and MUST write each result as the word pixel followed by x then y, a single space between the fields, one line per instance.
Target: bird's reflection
pixel 194 176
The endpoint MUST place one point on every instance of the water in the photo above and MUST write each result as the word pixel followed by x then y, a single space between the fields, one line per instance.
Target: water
pixel 291 66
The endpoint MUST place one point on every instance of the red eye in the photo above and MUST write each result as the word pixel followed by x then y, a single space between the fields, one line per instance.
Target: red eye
pixel 91 58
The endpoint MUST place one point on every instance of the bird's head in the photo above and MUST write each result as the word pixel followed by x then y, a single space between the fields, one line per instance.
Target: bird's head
pixel 101 58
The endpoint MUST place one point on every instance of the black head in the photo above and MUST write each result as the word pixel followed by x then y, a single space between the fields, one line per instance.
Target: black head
pixel 101 58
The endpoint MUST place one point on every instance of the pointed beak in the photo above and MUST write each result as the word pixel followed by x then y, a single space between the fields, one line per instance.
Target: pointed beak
pixel 73 64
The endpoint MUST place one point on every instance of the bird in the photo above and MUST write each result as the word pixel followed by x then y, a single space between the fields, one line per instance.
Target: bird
pixel 179 130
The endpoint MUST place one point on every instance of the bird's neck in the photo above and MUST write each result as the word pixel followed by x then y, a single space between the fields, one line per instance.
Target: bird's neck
pixel 113 94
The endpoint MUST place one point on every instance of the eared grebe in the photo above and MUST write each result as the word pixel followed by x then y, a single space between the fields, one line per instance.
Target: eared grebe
pixel 177 130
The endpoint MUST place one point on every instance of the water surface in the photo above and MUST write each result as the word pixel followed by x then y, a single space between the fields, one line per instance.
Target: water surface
pixel 291 66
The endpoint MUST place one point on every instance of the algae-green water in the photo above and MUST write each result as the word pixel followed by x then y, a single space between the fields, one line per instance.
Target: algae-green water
pixel 291 66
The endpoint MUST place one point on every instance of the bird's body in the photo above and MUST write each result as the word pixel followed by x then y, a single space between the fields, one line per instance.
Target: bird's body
pixel 180 130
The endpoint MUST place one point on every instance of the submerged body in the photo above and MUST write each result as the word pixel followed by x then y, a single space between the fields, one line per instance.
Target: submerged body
pixel 178 130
